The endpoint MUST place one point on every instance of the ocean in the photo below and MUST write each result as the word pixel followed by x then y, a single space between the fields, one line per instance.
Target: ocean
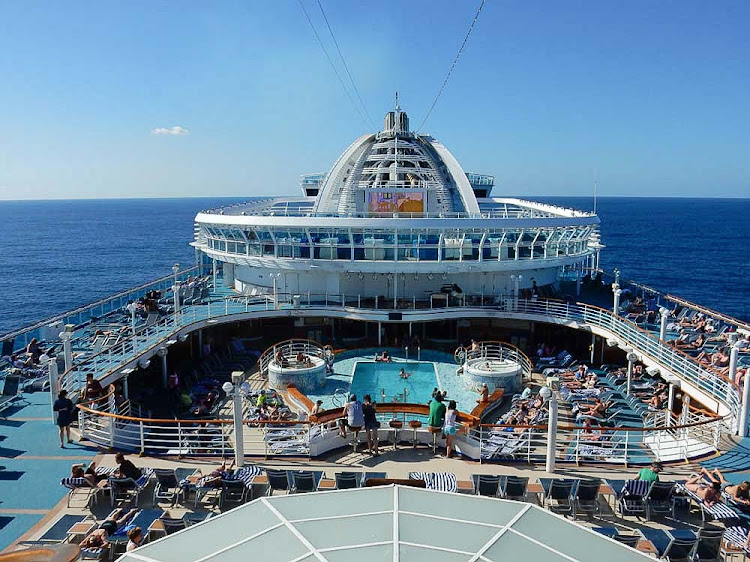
pixel 57 255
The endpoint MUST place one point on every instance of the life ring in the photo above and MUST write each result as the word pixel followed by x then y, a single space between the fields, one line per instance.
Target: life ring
pixel 460 355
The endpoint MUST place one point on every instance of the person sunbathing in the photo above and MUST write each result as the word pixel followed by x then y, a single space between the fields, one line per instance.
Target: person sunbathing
pixel 708 492
pixel 598 410
pixel 696 344
pixel 116 520
pixel 740 493
pixel 655 402
pixel 213 479
pixel 77 472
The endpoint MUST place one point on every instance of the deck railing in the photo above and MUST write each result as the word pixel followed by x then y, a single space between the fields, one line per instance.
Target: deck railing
pixel 716 386
pixel 489 350
pixel 699 435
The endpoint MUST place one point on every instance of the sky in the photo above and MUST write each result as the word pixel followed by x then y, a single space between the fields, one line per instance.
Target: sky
pixel 172 99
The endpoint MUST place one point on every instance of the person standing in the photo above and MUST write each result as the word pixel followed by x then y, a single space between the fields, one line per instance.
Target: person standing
pixel 64 408
pixel 449 428
pixel 354 416
pixel 371 425
pixel 437 412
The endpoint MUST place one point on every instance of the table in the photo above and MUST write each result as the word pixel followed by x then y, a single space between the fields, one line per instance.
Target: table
pixel 647 547
pixel 465 486
pixel 326 484
pixel 81 529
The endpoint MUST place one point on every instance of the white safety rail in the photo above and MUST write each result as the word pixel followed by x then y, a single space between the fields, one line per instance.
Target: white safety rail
pixel 699 437
pixel 192 438
pixel 575 315
pixel 290 349
pixel 489 350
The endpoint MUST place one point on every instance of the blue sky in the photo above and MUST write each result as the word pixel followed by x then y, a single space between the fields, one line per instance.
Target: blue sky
pixel 648 97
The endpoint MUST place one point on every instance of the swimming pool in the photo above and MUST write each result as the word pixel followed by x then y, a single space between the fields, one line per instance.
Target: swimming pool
pixel 355 371
pixel 383 383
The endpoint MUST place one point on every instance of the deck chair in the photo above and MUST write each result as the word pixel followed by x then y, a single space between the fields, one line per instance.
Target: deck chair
pixel 10 391
pixel 680 550
pixel 347 480
pixel 232 491
pixel 172 525
pixel 81 488
pixel 586 498
pixel 660 499
pixel 709 544
pixel 560 497
pixel 303 481
pixel 631 498
pixel 627 539
pixel 167 487
pixel 514 488
pixel 58 532
pixel 488 485
pixel 277 480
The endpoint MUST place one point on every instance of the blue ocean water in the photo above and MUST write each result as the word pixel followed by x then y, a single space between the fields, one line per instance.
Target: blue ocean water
pixel 57 255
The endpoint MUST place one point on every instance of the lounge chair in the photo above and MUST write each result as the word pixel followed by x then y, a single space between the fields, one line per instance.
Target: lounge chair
pixel 487 485
pixel 627 539
pixel 718 511
pixel 303 481
pixel 709 544
pixel 58 532
pixel 514 488
pixel 81 488
pixel 167 487
pixel 631 497
pixel 127 488
pixel 560 496
pixel 660 499
pixel 586 497
pixel 11 391
pixel 232 491
pixel 347 480
pixel 277 480
pixel 173 525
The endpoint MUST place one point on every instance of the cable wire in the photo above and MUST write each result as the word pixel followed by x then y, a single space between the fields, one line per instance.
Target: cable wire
pixel 453 66
pixel 346 67
pixel 341 81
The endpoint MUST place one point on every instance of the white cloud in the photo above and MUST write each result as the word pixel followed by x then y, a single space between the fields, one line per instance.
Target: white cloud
pixel 176 130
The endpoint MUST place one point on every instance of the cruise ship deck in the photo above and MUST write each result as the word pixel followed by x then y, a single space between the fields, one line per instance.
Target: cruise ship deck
pixel 395 274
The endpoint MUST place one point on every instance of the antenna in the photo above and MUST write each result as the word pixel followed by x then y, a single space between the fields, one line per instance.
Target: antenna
pixel 397 107
pixel 595 193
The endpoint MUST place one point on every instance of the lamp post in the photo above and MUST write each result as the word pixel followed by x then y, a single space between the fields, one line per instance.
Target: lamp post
pixel 132 308
pixel 234 387
pixel 175 271
pixel 664 313
pixel 632 357
pixel 274 277
pixel 551 427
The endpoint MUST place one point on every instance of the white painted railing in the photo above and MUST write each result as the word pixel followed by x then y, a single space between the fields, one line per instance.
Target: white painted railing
pixel 645 343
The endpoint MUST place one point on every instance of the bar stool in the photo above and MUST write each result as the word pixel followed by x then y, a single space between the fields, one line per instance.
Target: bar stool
pixel 435 432
pixel 415 425
pixel 395 425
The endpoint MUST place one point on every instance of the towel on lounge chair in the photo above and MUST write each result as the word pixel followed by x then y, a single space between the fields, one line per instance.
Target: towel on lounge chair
pixel 441 481
pixel 736 535
pixel 718 511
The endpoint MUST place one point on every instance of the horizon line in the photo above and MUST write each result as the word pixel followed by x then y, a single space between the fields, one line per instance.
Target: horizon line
pixel 249 197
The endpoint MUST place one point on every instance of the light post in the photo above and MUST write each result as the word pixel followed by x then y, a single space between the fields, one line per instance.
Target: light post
pixel 664 313
pixel 616 291
pixel 632 358
pixel 274 277
pixel 234 389
pixel 132 308
pixel 175 271
pixel 546 393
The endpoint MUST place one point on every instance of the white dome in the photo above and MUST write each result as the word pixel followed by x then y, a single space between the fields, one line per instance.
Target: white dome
pixel 396 171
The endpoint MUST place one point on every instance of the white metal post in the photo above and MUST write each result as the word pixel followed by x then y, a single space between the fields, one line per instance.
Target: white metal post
pixel 162 352
pixel 380 334
pixel 630 376
pixel 176 290
pixel 663 327
pixel 616 304
pixel 239 450
pixel 125 388
pixel 551 434
pixel 593 347
pixel 670 403
pixel 214 272
pixel 745 389
pixel 54 388
pixel 66 337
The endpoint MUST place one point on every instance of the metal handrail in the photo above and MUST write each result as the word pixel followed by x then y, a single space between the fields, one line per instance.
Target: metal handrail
pixel 719 387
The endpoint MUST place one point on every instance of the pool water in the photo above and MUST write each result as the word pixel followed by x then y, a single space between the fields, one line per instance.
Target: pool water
pixel 383 383
pixel 355 371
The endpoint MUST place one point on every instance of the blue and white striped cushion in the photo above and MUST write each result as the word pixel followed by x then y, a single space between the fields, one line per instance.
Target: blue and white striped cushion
pixel 718 511
pixel 74 483
pixel 426 476
pixel 736 535
pixel 444 481
pixel 636 488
